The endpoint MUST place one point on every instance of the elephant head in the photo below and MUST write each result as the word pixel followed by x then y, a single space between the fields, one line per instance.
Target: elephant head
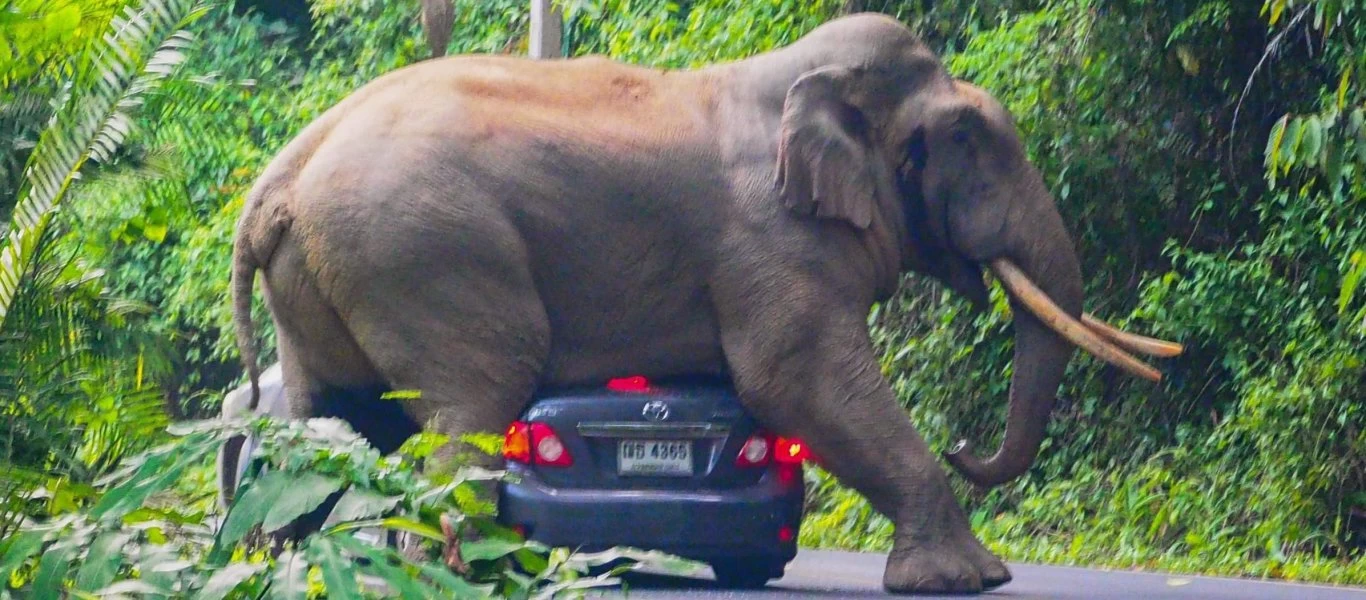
pixel 876 134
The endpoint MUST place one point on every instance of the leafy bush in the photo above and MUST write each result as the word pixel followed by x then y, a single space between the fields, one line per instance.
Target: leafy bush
pixel 141 538
pixel 69 413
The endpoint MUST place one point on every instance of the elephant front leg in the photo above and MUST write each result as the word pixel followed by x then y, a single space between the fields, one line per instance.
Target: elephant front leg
pixel 815 375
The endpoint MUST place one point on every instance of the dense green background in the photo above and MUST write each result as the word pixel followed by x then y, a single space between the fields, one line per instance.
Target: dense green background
pixel 1208 155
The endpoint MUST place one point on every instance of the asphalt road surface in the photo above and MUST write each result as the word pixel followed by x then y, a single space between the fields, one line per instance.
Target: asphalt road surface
pixel 821 574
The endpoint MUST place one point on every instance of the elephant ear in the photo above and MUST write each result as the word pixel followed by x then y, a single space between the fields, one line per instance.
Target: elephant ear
pixel 824 156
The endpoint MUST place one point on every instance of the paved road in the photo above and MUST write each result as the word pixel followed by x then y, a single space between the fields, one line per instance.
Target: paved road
pixel 820 574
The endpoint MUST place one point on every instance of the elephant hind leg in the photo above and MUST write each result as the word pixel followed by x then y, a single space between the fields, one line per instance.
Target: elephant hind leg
pixel 471 340
pixel 317 350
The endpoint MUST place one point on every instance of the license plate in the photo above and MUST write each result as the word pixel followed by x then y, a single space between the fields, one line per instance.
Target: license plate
pixel 654 457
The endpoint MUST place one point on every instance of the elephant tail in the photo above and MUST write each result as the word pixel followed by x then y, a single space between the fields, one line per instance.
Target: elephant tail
pixel 244 269
pixel 254 240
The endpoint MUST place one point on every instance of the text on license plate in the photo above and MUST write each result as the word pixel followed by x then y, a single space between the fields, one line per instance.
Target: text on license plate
pixel 654 457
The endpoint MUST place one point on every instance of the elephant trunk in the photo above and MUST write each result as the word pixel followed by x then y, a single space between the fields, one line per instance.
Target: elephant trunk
pixel 1041 355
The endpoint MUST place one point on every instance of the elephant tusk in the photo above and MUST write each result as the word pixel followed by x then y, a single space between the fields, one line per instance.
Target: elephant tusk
pixel 1064 324
pixel 1131 341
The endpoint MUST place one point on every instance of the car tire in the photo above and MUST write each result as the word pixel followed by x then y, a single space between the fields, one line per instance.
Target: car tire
pixel 746 573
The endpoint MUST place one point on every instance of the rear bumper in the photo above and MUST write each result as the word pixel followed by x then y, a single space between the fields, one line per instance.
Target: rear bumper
pixel 700 525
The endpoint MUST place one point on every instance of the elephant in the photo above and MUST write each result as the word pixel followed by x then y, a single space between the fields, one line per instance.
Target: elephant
pixel 474 227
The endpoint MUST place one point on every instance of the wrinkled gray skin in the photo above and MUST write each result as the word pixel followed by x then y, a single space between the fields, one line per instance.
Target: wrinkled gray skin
pixel 473 227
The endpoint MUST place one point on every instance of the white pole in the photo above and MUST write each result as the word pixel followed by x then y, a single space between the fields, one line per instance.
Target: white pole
pixel 546 27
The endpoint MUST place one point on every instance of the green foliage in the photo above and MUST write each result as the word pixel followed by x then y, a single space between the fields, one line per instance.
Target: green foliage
pixel 90 122
pixel 69 413
pixel 136 539
pixel 689 34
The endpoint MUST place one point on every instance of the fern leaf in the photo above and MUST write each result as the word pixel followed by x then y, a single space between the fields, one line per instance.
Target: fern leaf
pixel 141 48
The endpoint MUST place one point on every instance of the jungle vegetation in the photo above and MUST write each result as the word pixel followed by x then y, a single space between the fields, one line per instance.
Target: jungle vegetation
pixel 1209 157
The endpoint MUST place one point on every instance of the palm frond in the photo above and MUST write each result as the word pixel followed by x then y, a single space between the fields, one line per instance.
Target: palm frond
pixel 142 47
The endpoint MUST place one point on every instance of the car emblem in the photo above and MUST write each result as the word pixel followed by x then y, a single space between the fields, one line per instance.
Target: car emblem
pixel 655 410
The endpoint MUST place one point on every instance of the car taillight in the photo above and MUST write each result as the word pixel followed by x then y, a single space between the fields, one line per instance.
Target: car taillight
pixel 791 451
pixel 755 452
pixel 549 449
pixel 517 443
pixel 635 384
pixel 535 442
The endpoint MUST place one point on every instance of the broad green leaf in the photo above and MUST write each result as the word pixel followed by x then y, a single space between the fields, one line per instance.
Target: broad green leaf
pixel 129 495
pixel 133 588
pixel 153 563
pixel 1312 144
pixel 414 527
pixel 381 566
pixel 102 563
pixel 1294 135
pixel 155 232
pixel 1343 87
pixel 1273 143
pixel 338 573
pixel 649 558
pixel 531 561
pixel 53 569
pixel 489 548
pixel 1333 160
pixel 305 492
pixel 133 493
pixel 19 548
pixel 454 584
pixel 1356 268
pixel 290 580
pixel 256 501
pixel 423 444
pixel 557 590
pixel 227 579
pixel 1277 9
pixel 63 21
pixel 168 566
pixel 488 443
pixel 359 503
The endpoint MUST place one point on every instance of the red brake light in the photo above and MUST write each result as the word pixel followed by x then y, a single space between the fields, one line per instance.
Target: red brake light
pixel 755 452
pixel 635 384
pixel 517 443
pixel 549 449
pixel 791 451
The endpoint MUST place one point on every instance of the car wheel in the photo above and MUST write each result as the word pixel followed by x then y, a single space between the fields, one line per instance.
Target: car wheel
pixel 746 574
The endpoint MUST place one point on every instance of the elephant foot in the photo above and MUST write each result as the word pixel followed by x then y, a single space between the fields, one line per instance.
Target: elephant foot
pixel 952 568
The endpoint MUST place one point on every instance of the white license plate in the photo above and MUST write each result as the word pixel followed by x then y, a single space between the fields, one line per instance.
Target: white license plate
pixel 654 457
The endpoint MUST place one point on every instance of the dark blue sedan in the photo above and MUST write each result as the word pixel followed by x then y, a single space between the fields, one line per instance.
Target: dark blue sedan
pixel 673 465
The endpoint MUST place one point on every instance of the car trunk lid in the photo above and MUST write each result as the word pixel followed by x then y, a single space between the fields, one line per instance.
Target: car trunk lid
pixel 681 433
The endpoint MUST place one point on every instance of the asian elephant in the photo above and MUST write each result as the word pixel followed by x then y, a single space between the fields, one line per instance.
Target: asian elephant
pixel 473 227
